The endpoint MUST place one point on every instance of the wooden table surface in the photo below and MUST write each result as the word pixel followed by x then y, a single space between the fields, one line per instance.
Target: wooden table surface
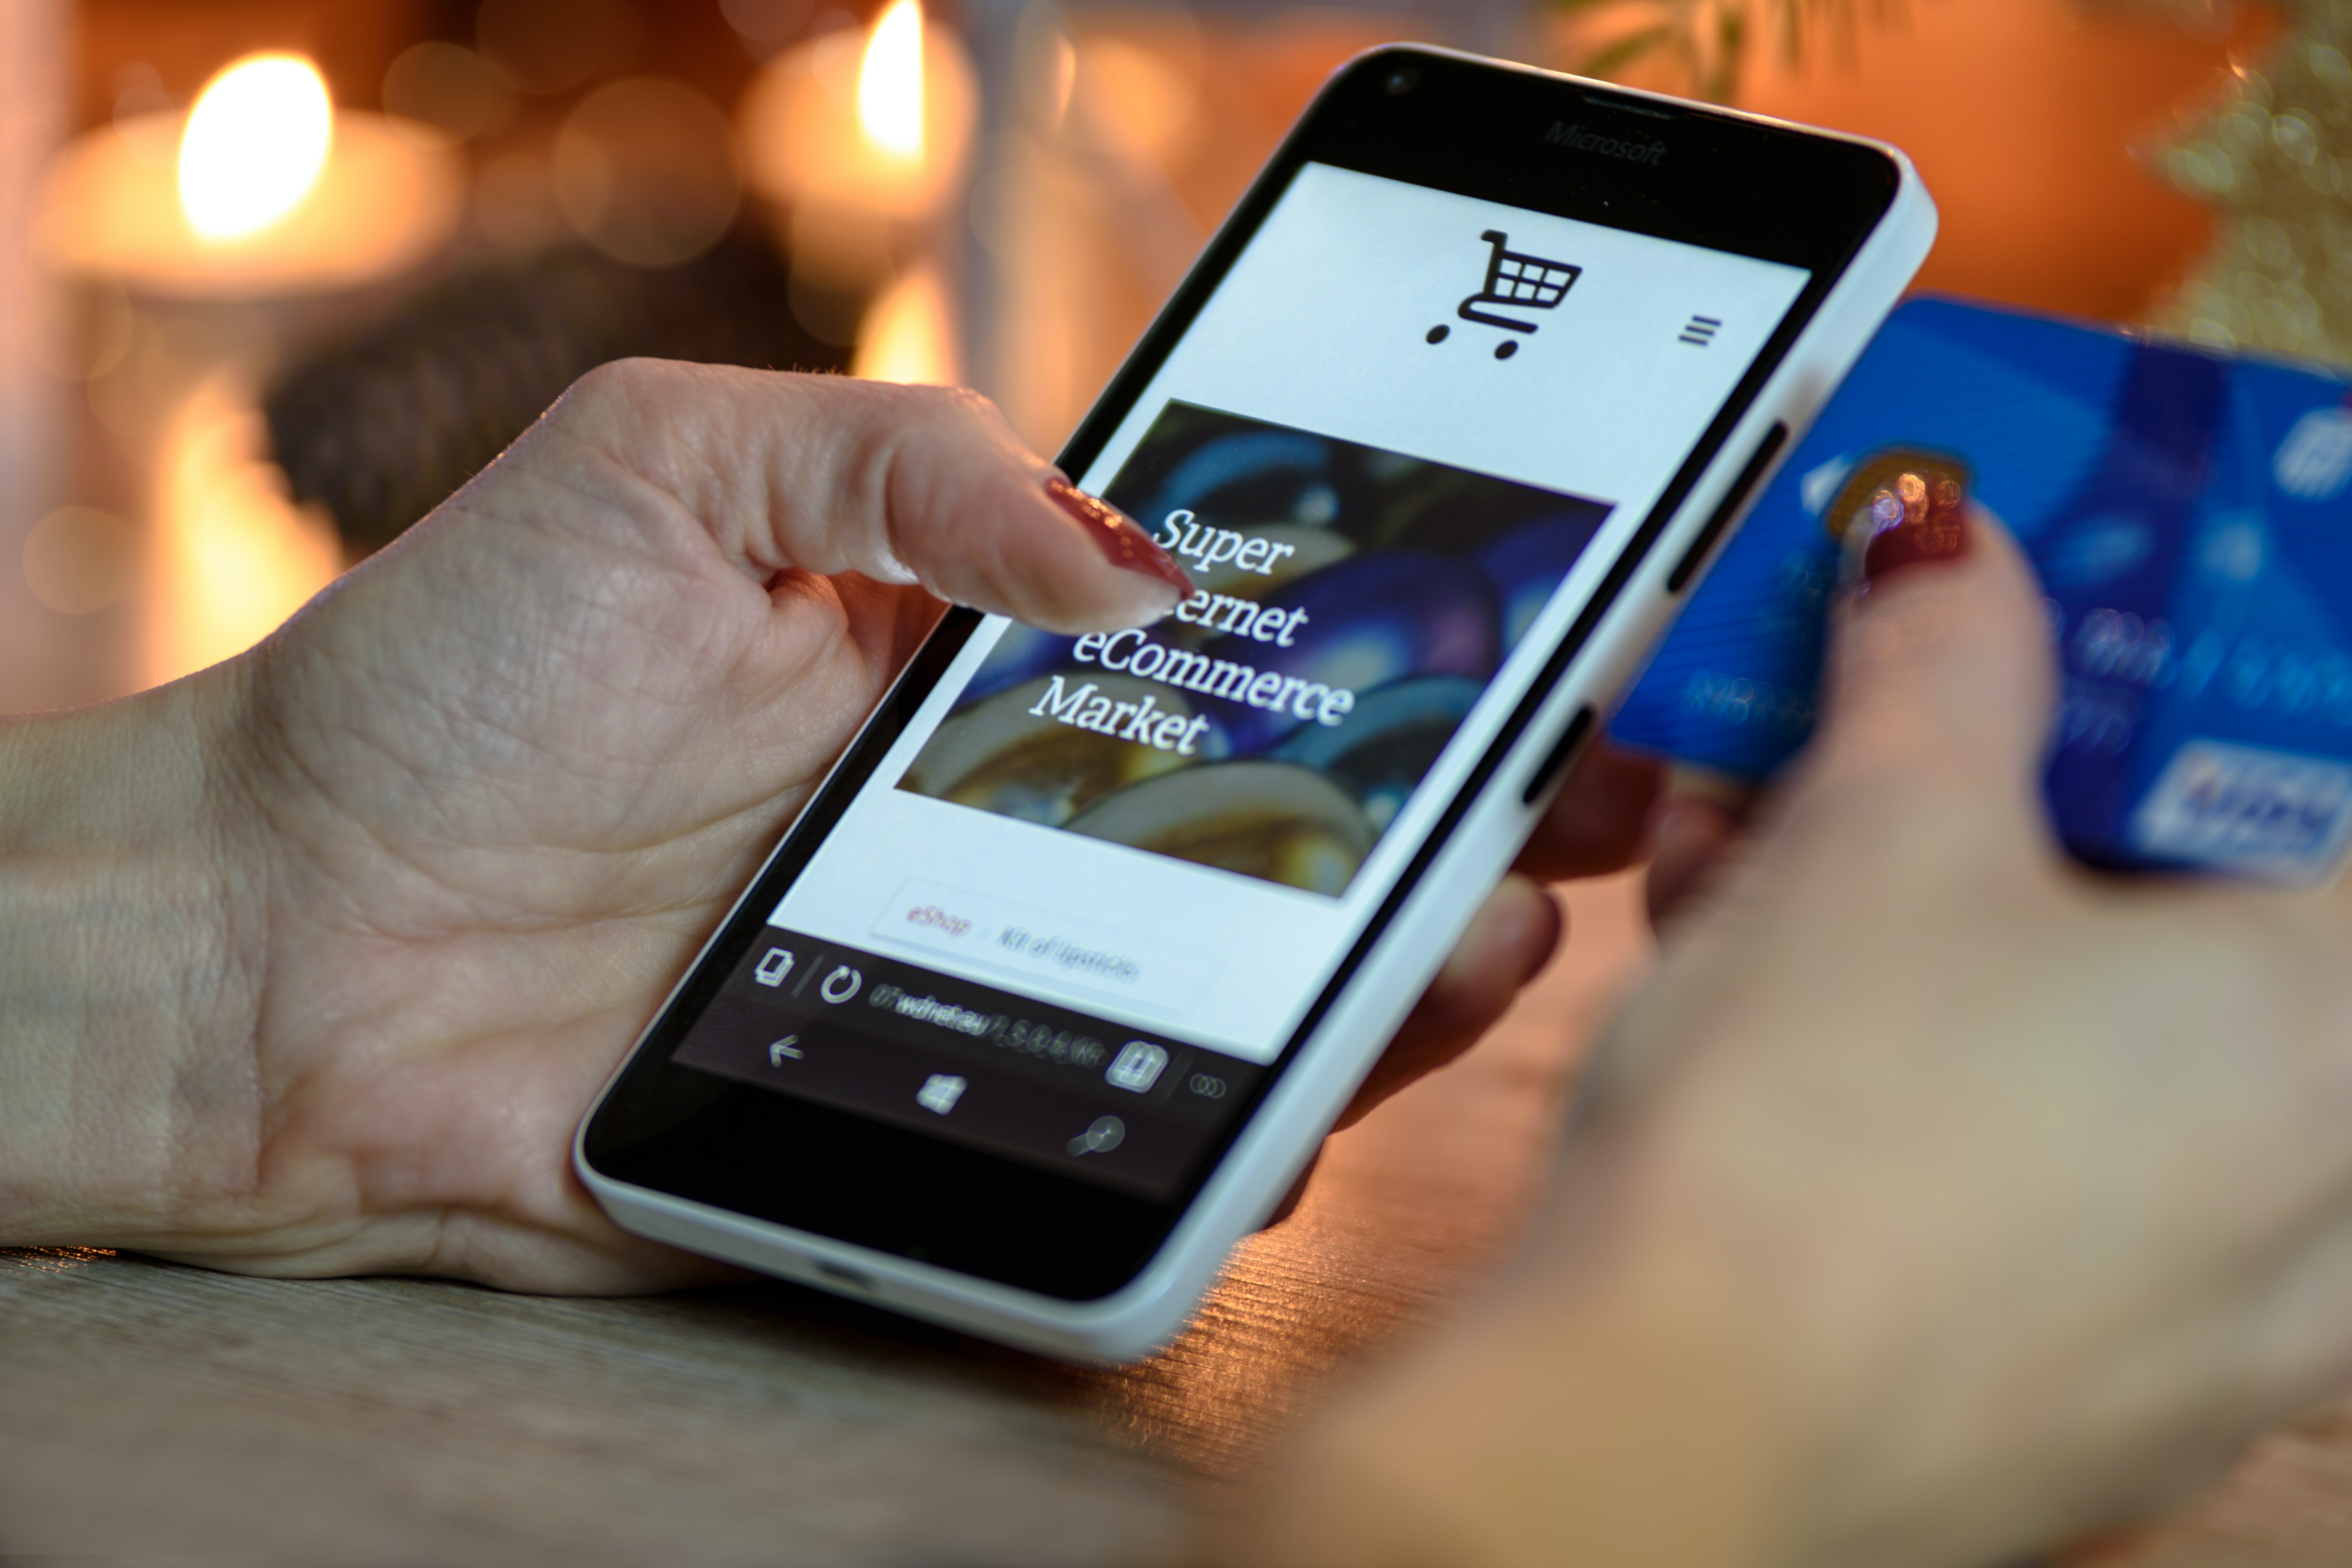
pixel 149 1411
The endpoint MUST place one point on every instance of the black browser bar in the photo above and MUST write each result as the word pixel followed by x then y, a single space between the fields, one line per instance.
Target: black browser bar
pixel 1082 1096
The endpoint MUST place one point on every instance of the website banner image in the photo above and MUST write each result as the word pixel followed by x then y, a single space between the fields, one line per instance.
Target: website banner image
pixel 1352 606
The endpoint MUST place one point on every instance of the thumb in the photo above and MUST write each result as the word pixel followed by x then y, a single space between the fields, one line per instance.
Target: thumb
pixel 1940 667
pixel 1936 708
pixel 905 484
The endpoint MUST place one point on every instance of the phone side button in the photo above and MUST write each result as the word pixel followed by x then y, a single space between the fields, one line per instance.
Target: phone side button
pixel 1572 740
pixel 1742 487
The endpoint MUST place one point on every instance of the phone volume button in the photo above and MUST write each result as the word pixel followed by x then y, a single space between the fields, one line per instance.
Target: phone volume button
pixel 1562 752
pixel 1741 489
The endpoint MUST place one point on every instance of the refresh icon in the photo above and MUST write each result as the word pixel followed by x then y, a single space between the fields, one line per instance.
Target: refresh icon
pixel 840 984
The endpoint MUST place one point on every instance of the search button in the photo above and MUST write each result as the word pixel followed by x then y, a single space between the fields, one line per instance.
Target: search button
pixel 1106 1133
pixel 840 984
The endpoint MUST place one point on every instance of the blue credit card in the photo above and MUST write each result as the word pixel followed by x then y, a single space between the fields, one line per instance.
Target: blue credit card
pixel 2189 515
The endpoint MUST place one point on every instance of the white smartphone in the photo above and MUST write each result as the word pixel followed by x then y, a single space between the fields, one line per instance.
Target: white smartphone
pixel 1057 983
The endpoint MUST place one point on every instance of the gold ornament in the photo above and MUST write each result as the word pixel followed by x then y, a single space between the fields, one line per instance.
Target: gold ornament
pixel 2275 159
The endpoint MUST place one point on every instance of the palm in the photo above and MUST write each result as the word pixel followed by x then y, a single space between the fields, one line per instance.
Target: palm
pixel 496 787
pixel 515 781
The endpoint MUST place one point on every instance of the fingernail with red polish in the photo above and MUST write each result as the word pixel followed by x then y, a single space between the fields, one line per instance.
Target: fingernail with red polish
pixel 1901 514
pixel 1119 537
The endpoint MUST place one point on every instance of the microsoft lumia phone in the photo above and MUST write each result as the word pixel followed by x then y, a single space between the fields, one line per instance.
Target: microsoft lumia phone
pixel 1057 983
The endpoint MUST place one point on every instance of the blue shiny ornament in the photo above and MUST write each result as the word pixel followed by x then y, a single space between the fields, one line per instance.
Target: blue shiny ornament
pixel 1292 465
pixel 1388 743
pixel 1020 654
pixel 1528 564
pixel 1371 620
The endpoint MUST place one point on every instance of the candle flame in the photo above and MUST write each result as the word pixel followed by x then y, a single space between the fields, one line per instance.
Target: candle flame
pixel 255 144
pixel 891 81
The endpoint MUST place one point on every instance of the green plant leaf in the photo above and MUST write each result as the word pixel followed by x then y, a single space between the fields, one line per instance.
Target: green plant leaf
pixel 1710 39
pixel 1622 52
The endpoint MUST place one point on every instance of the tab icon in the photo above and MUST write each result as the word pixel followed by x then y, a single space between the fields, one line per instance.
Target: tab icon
pixel 1701 331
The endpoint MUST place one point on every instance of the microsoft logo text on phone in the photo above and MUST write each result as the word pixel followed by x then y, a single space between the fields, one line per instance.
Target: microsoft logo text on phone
pixel 1517 281
pixel 1576 138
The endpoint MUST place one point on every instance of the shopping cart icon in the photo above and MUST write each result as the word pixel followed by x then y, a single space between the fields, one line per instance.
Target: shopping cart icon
pixel 1524 283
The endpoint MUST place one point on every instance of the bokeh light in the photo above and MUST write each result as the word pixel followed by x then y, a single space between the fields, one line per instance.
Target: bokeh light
pixel 79 559
pixel 645 170
pixel 909 334
pixel 766 25
pixel 448 86
pixel 548 47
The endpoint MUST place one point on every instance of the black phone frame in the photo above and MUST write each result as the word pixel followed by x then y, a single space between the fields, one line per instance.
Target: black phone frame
pixel 1476 128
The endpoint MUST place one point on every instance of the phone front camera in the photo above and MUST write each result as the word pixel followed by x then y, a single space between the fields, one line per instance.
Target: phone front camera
pixel 1402 80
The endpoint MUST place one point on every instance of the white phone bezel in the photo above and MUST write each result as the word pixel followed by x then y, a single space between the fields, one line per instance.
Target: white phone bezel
pixel 1287 1128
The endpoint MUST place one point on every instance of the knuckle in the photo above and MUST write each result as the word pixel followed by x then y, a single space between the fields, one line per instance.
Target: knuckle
pixel 967 404
pixel 621 377
pixel 887 420
pixel 934 413
pixel 619 386
pixel 922 423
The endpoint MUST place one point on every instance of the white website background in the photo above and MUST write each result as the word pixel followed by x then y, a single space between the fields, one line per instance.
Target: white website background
pixel 1323 325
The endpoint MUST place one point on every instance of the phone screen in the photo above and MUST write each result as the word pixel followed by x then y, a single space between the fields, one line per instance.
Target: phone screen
pixel 1095 887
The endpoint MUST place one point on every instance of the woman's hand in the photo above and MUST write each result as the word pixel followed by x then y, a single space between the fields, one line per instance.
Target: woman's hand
pixel 310 963
pixel 1936 1202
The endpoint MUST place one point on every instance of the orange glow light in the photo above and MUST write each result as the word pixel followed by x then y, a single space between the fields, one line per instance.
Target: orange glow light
pixel 908 333
pixel 387 196
pixel 890 82
pixel 255 145
pixel 875 127
pixel 234 556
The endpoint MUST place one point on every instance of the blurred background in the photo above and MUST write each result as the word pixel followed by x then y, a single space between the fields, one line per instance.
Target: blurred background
pixel 277 276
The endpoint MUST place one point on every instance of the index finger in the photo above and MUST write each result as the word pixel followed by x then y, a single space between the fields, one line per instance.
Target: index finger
pixel 826 474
